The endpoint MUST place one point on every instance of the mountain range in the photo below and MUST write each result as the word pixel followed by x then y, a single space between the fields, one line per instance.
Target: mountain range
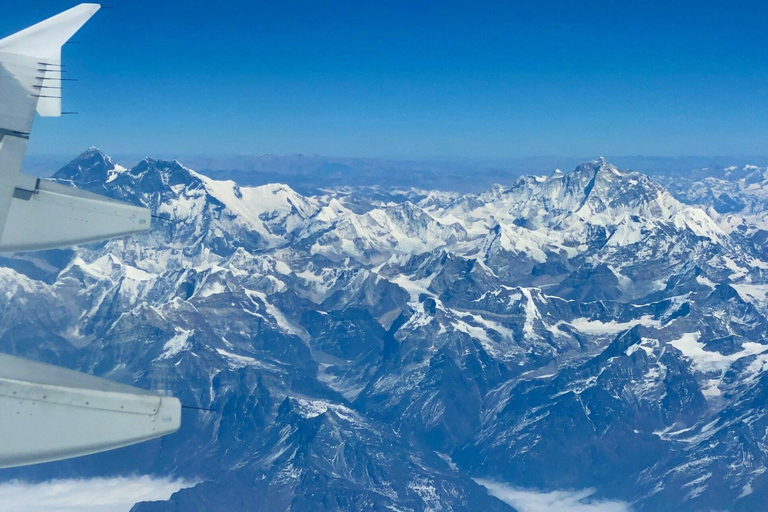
pixel 373 348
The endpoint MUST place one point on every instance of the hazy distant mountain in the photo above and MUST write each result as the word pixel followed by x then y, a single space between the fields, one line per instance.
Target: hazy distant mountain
pixel 311 174
pixel 371 349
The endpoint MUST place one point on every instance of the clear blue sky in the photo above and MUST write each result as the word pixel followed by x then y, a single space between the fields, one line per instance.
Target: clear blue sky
pixel 412 79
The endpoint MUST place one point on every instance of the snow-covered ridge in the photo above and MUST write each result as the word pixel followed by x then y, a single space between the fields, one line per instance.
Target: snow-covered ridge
pixel 533 218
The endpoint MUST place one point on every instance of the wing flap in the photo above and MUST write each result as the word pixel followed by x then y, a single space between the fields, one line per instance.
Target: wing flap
pixel 53 215
pixel 51 413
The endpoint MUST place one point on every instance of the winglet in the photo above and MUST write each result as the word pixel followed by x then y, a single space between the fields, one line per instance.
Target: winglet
pixel 44 41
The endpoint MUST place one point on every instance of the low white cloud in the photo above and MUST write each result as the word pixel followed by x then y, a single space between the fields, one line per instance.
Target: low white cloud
pixel 527 500
pixel 87 495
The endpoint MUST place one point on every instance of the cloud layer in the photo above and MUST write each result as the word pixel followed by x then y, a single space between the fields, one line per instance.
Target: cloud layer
pixel 92 495
pixel 526 500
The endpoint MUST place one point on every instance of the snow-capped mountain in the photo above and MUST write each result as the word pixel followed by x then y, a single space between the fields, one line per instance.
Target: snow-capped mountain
pixel 368 350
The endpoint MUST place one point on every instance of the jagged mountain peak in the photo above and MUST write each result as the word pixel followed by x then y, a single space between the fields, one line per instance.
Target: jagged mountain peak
pixel 595 192
pixel 599 163
pixel 599 192
pixel 597 177
pixel 601 171
pixel 165 173
pixel 91 167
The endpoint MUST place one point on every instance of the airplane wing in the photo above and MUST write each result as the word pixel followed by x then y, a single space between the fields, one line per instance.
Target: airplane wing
pixel 50 413
pixel 37 214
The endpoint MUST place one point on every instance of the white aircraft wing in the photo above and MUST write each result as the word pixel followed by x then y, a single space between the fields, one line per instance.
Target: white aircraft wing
pixel 36 214
pixel 50 413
